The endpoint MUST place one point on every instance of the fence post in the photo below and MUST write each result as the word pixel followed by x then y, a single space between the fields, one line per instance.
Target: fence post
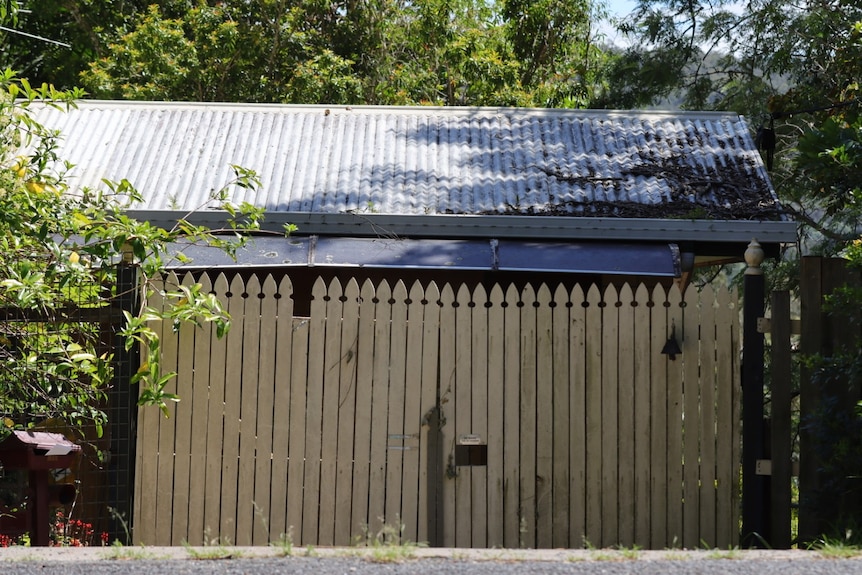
pixel 780 452
pixel 755 502
pixel 124 408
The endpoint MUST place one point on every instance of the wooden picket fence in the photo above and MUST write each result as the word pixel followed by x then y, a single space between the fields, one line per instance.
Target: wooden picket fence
pixel 470 417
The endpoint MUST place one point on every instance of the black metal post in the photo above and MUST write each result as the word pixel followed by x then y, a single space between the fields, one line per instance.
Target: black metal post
pixel 124 411
pixel 755 488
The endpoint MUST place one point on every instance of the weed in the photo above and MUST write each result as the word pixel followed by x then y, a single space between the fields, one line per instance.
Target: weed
pixel 387 545
pixel 210 552
pixel 835 548
pixel 629 553
pixel 285 543
pixel 118 552
pixel 729 553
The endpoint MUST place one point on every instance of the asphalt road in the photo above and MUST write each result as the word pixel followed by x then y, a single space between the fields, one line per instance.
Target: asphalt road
pixel 350 561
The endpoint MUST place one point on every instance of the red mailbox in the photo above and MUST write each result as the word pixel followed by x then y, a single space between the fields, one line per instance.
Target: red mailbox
pixel 37 453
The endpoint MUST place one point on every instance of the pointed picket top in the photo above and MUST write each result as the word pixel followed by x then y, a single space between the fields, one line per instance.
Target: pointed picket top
pixel 464 296
pixel 206 283
pixel 432 294
pixel 237 287
pixel 447 295
pixel 611 296
pixel 416 291
pixel 383 293
pixel 723 299
pixel 367 292
pixel 334 289
pixel 543 295
pixel 577 295
pixel 318 290
pixel 528 296
pixel 480 296
pixel 416 294
pixel 399 293
pixel 561 295
pixel 221 287
pixel 496 297
pixel 594 297
pixel 285 287
pixel 513 295
pixel 626 295
pixel 351 291
pixel 252 286
pixel 641 295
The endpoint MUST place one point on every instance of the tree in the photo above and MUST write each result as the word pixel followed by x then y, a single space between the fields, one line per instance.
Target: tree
pixel 61 252
pixel 445 52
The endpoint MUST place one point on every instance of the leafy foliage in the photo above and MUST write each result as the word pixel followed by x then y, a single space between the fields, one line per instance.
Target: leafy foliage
pixel 61 252
pixel 448 52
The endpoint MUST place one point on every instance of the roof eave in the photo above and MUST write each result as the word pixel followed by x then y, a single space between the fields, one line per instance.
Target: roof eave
pixel 500 226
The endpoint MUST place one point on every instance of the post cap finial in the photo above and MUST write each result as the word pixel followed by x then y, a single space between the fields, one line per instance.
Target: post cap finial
pixel 754 256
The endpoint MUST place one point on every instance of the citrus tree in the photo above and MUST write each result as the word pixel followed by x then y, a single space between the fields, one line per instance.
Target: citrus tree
pixel 61 253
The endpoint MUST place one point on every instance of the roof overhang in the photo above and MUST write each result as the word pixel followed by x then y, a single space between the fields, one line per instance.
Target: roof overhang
pixel 641 259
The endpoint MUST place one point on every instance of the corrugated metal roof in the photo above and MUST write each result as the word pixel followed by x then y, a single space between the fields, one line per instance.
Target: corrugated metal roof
pixel 410 161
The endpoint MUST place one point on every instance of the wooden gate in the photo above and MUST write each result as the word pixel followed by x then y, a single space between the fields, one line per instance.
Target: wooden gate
pixel 468 417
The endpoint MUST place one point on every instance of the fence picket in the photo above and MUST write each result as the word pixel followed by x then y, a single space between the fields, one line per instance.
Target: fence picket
pixel 658 419
pixel 512 516
pixel 496 361
pixel 331 360
pixel 529 490
pixel 706 455
pixel 463 416
pixel 363 422
pixel 413 412
pixel 281 402
pixel 431 459
pixel 675 452
pixel 448 355
pixel 479 407
pixel 643 364
pixel 311 497
pixel 593 407
pixel 395 406
pixel 300 340
pixel 610 421
pixel 380 410
pixel 216 350
pixel 345 457
pixel 544 417
pixel 264 415
pixel 577 418
pixel 626 417
pixel 167 434
pixel 727 409
pixel 560 483
pixel 199 407
pixel 691 420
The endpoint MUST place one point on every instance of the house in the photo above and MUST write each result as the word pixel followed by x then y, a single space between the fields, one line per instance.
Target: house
pixel 458 396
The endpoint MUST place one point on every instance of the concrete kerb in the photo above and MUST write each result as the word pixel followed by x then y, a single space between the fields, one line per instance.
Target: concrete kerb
pixel 89 554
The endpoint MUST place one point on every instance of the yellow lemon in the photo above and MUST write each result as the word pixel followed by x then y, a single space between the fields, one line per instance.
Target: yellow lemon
pixel 35 187
pixel 74 257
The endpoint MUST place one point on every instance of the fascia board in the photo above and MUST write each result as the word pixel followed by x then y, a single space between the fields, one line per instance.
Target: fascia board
pixel 498 226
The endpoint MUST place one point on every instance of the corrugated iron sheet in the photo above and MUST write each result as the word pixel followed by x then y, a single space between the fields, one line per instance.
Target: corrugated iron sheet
pixel 423 160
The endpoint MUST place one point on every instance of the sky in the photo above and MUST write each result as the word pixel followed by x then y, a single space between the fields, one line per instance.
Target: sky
pixel 617 8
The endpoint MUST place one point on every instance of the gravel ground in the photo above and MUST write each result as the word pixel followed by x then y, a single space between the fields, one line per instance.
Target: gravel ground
pixel 340 561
